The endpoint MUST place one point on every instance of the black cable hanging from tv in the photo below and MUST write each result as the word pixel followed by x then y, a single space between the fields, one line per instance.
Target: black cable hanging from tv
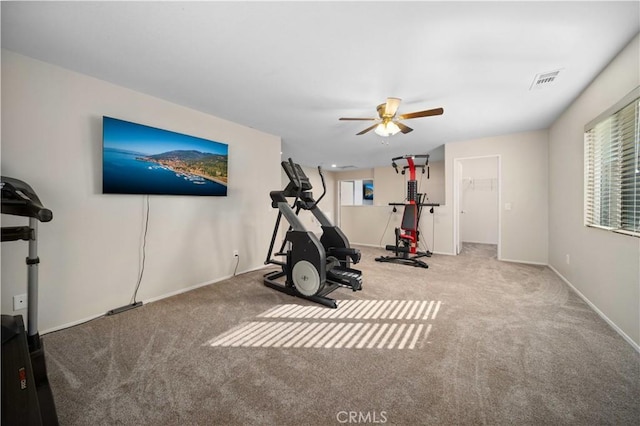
pixel 134 303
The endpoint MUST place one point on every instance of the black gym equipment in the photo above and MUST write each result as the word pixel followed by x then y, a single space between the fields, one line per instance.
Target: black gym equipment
pixel 313 267
pixel 26 394
pixel 408 234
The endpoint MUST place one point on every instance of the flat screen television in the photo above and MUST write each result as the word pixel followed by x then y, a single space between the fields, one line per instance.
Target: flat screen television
pixel 367 190
pixel 138 159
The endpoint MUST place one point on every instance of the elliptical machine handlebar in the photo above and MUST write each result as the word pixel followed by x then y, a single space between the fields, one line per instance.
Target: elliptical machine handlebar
pixel 324 189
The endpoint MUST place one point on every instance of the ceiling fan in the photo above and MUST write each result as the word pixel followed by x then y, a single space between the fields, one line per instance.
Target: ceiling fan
pixel 388 124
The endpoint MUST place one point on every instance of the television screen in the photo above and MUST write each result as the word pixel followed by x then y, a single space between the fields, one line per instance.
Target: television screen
pixel 367 190
pixel 138 159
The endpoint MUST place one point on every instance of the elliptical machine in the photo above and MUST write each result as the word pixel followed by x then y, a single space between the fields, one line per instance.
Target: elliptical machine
pixel 408 234
pixel 313 267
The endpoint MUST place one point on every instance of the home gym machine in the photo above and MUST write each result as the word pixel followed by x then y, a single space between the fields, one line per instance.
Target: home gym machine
pixel 408 235
pixel 26 394
pixel 313 267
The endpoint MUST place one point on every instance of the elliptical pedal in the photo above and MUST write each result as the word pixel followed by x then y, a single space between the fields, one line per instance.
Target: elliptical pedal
pixel 346 277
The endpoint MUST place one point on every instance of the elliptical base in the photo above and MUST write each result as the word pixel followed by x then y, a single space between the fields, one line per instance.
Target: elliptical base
pixel 270 281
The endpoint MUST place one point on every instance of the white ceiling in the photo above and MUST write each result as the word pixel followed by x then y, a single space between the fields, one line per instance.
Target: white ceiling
pixel 293 68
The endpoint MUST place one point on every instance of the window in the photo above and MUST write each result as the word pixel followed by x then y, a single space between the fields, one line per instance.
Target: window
pixel 612 168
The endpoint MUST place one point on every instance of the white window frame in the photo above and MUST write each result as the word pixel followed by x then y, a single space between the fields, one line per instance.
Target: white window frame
pixel 607 162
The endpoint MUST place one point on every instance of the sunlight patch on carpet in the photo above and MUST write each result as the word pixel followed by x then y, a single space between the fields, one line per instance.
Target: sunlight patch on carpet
pixel 356 324
pixel 360 309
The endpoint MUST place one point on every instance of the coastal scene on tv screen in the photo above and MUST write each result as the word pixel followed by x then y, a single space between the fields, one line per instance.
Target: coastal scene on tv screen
pixel 139 159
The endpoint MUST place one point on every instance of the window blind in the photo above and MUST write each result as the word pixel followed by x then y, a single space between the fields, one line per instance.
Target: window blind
pixel 612 169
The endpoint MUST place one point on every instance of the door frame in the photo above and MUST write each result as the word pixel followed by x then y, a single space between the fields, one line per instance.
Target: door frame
pixel 457 178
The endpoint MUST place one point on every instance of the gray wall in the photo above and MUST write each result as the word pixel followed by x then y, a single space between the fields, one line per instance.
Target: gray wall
pixel 524 160
pixel 374 225
pixel 90 252
pixel 603 266
pixel 523 184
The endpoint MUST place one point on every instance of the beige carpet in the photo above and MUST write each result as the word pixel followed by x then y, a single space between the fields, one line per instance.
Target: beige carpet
pixel 470 340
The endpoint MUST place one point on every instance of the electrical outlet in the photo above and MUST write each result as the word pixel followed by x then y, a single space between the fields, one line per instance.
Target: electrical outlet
pixel 568 259
pixel 236 253
pixel 19 302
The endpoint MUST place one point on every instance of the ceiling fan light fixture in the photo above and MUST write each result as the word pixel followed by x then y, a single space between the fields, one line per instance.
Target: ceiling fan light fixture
pixel 387 129
pixel 386 124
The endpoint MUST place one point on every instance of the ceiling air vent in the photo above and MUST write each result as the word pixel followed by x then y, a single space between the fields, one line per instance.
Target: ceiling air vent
pixel 544 79
pixel 346 167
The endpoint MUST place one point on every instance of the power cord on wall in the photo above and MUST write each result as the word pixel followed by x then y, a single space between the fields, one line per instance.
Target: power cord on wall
pixel 134 303
pixel 237 256
pixel 144 253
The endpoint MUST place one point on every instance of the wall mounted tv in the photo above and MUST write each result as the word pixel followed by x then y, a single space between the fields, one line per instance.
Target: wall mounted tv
pixel 367 190
pixel 138 159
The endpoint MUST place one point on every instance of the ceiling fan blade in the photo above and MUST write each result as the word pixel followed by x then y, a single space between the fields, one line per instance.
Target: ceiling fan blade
pixel 356 119
pixel 367 129
pixel 426 113
pixel 391 107
pixel 403 128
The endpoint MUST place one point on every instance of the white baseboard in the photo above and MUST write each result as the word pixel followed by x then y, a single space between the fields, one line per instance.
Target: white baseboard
pixel 382 247
pixel 150 300
pixel 366 245
pixel 70 324
pixel 527 262
pixel 481 242
pixel 184 290
pixel 624 335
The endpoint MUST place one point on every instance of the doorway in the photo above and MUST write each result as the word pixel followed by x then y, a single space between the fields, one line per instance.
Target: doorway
pixel 477 217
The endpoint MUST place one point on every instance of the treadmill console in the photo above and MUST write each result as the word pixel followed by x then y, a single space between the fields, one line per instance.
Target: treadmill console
pixel 19 199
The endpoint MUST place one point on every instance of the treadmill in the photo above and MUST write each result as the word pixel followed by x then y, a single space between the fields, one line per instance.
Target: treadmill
pixel 26 393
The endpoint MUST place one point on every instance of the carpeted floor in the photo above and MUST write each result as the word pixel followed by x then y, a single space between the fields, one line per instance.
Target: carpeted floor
pixel 470 340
